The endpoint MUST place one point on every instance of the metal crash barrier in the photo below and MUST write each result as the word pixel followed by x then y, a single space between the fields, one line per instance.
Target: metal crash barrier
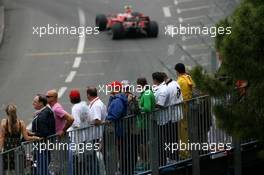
pixel 138 144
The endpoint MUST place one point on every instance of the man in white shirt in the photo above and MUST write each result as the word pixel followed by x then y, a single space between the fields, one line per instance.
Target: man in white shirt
pixel 160 92
pixel 174 113
pixel 79 110
pixel 97 111
pixel 97 115
pixel 174 90
pixel 80 113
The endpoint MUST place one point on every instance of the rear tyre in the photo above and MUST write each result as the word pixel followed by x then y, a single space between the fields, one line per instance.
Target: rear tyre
pixel 153 29
pixel 118 31
pixel 101 22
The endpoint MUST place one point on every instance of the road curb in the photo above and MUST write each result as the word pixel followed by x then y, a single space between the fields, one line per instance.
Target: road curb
pixel 2 23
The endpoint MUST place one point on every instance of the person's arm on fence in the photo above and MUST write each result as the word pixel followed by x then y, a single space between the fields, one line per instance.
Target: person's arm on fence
pixel 69 120
pixel 25 133
pixel 2 135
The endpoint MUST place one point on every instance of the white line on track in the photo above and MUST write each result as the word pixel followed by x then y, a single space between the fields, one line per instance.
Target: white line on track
pixel 81 42
pixel 193 8
pixel 171 49
pixel 70 77
pixel 182 58
pixel 176 2
pixel 61 91
pixel 184 38
pixel 191 18
pixel 77 62
pixel 201 55
pixel 91 74
pixel 95 61
pixel 166 11
pixel 194 46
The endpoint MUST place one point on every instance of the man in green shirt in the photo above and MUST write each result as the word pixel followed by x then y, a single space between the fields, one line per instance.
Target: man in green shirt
pixel 146 104
pixel 147 98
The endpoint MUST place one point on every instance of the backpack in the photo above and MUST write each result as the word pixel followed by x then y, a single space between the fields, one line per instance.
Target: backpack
pixel 133 106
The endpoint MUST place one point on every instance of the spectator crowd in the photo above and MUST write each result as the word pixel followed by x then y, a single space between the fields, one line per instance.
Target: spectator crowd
pixel 51 118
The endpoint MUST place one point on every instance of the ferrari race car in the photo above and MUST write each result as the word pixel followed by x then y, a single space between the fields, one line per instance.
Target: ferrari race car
pixel 129 22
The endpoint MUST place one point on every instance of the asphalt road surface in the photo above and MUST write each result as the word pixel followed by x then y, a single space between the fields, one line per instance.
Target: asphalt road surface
pixel 30 64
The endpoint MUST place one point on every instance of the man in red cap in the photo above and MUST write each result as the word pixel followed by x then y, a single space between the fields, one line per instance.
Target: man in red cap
pixel 79 110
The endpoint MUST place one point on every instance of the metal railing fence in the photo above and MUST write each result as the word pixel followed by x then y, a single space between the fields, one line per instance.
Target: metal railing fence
pixel 135 144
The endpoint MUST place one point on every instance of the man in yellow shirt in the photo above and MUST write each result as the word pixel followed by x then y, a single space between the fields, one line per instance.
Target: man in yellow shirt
pixel 185 81
pixel 186 84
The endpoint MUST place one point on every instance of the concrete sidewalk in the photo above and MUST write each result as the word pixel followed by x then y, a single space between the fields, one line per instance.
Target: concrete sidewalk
pixel 2 23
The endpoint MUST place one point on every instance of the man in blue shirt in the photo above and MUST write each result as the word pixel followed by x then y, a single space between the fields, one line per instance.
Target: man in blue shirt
pixel 117 106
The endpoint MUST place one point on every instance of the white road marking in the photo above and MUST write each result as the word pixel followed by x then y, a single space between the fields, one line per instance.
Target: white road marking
pixel 182 58
pixel 176 2
pixel 193 8
pixel 184 38
pixel 70 77
pixel 77 62
pixel 166 11
pixel 61 91
pixel 195 46
pixel 86 51
pixel 81 42
pixel 201 55
pixel 95 61
pixel 191 18
pixel 171 49
pixel 91 74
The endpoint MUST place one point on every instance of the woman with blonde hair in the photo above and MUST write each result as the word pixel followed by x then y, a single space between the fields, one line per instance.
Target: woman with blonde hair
pixel 11 131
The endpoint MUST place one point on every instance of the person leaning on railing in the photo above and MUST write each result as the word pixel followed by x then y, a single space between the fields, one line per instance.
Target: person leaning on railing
pixel 117 110
pixel 11 131
pixel 186 84
pixel 43 124
pixel 147 105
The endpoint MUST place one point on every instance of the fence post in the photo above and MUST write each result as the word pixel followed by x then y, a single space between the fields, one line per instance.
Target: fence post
pixel 1 164
pixel 19 162
pixel 110 149
pixel 154 156
pixel 237 157
pixel 194 138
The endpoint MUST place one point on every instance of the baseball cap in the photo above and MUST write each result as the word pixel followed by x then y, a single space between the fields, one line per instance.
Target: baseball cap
pixel 115 86
pixel 74 93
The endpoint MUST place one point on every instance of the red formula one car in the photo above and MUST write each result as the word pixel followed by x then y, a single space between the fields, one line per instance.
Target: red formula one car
pixel 129 22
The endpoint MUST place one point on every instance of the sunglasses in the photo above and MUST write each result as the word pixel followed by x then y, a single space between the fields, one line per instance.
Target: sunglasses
pixel 49 96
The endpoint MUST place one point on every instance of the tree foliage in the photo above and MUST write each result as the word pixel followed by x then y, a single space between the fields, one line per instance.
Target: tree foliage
pixel 242 55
